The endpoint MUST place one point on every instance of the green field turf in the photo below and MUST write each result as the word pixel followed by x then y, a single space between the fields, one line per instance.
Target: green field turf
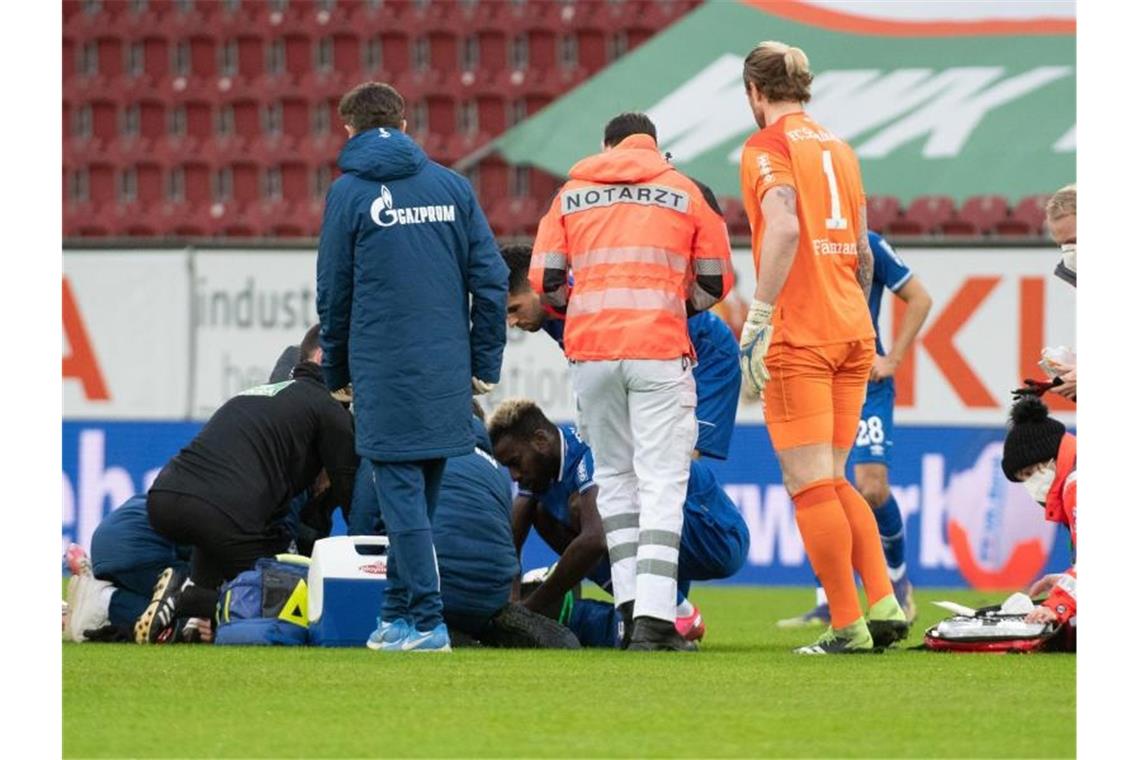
pixel 744 694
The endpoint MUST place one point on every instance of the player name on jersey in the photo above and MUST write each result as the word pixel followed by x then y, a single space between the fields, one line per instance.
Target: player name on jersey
pixel 824 247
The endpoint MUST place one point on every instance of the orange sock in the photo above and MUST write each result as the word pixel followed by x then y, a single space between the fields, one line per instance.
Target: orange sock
pixel 866 546
pixel 827 539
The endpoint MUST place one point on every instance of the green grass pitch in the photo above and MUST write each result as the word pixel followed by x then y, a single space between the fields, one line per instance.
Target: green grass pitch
pixel 744 694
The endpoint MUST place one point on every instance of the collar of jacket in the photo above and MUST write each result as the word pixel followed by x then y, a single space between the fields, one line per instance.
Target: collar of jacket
pixel 381 154
pixel 308 371
pixel 1066 463
pixel 634 159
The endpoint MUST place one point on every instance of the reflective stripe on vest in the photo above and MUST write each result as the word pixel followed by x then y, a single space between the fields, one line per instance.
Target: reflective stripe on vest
pixel 634 299
pixel 675 261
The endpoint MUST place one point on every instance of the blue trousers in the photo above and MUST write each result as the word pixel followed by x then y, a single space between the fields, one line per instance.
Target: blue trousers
pixel 408 493
pixel 595 623
pixel 127 551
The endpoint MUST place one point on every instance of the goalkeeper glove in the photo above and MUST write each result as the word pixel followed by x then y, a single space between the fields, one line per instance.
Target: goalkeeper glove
pixel 754 339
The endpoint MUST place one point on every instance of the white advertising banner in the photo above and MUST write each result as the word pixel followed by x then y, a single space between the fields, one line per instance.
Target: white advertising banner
pixel 173 334
pixel 126 334
pixel 248 306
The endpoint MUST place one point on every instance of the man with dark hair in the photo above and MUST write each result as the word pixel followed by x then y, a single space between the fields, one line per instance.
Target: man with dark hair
pixel 647 251
pixel 411 294
pixel 372 105
pixel 557 496
pixel 227 493
pixel 626 124
pixel 478 564
pixel 717 371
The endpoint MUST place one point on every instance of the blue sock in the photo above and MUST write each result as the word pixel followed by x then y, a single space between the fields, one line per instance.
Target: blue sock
pixel 890 523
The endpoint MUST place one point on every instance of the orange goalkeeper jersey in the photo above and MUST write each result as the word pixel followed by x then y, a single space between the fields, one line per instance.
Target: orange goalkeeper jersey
pixel 821 302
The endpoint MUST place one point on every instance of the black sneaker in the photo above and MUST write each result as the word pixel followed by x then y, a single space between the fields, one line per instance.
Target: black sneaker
pixel 625 624
pixel 653 635
pixel 157 623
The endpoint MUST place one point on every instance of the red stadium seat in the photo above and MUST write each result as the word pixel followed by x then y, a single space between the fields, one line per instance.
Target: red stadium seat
pixel 1031 211
pixel 906 227
pixel 514 216
pixel 735 217
pixel 186 219
pixel 460 145
pixel 540 16
pixel 881 211
pixel 1015 228
pixel 959 227
pixel 134 22
pixel 85 220
pixel 309 214
pixel 930 211
pixel 84 25
pixel 984 211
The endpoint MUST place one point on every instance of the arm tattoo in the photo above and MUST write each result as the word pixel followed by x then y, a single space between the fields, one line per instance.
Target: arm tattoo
pixel 866 269
pixel 787 194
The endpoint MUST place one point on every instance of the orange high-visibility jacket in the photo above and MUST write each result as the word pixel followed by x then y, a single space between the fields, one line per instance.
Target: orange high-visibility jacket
pixel 645 250
pixel 1061 507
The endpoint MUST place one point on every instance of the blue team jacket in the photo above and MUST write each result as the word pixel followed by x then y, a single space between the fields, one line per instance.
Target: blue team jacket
pixel 411 294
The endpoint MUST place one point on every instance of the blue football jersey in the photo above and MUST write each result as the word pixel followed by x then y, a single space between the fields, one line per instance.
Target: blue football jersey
pixel 576 475
pixel 890 273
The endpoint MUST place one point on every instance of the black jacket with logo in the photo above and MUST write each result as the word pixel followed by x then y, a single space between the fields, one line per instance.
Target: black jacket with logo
pixel 263 447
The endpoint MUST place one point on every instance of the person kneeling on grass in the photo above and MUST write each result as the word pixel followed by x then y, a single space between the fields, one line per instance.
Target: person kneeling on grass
pixel 1042 456
pixel 557 496
pixel 471 527
pixel 227 493
pixel 110 590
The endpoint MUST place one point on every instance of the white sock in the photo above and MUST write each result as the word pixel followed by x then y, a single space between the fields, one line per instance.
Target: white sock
pixel 820 596
pixel 105 595
pixel 895 573
pixel 685 608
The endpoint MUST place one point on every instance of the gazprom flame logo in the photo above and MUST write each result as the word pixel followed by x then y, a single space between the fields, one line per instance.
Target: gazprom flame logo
pixel 385 214
pixel 383 205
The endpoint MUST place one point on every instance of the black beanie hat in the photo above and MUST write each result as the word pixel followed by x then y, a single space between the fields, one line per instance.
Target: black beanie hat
pixel 1033 436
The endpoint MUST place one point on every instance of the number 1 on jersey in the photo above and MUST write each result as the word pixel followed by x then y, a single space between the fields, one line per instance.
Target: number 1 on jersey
pixel 836 220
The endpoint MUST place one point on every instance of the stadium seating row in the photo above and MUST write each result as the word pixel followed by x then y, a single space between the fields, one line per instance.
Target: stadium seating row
pixel 109 67
pixel 935 215
pixel 286 199
pixel 196 105
pixel 147 129
pixel 93 19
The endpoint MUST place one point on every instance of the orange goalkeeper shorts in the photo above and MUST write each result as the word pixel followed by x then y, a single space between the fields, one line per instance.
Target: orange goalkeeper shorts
pixel 815 394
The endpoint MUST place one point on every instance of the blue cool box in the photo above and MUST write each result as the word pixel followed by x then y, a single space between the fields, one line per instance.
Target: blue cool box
pixel 347 579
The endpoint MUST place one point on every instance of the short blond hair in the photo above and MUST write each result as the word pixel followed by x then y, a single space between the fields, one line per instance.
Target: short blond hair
pixel 1063 203
pixel 779 71
pixel 516 418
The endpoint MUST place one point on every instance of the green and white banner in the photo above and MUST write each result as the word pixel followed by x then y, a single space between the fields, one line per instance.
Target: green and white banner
pixel 957 108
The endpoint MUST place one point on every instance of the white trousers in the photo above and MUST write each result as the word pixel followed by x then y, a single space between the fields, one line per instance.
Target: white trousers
pixel 639 418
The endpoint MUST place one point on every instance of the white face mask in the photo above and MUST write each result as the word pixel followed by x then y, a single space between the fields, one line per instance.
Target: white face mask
pixel 1039 483
pixel 1069 256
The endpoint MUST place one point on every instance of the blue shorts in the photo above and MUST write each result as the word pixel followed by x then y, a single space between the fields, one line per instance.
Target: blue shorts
pixel 876 434
pixel 718 393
